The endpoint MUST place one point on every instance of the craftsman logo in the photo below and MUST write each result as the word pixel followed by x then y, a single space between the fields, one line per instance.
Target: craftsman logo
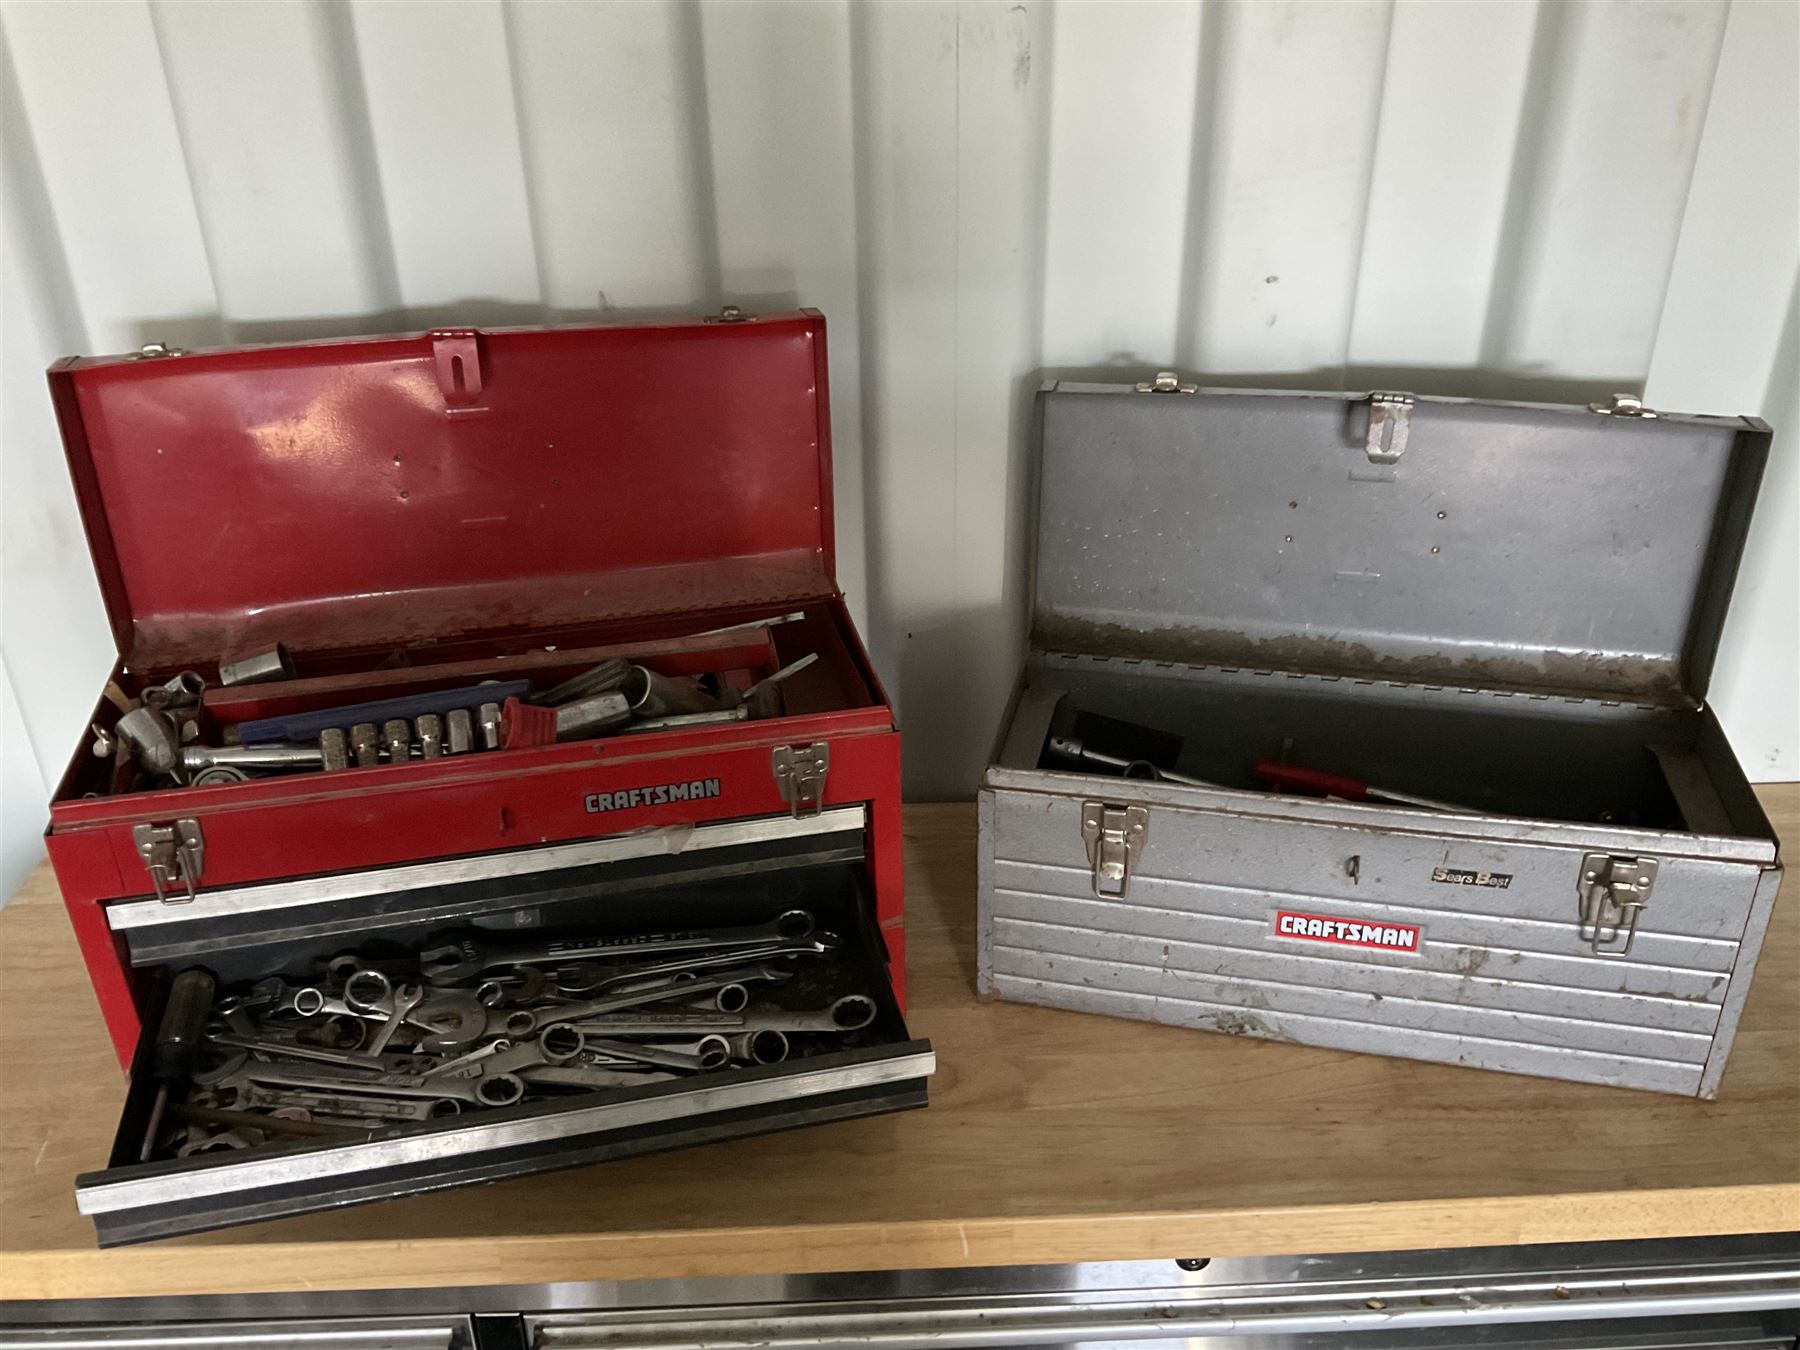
pixel 1388 937
pixel 1461 876
pixel 661 794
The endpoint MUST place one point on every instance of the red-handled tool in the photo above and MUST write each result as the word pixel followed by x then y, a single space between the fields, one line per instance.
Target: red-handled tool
pixel 1319 783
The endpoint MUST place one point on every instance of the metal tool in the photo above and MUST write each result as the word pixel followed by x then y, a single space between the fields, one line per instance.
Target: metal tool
pixel 460 731
pixel 264 758
pixel 178 692
pixel 396 739
pixel 600 679
pixel 490 726
pixel 153 737
pixel 258 669
pixel 334 749
pixel 467 955
pixel 1068 747
pixel 178 1038
pixel 592 715
pixel 430 728
pixel 306 726
pixel 1318 783
pixel 365 745
pixel 649 694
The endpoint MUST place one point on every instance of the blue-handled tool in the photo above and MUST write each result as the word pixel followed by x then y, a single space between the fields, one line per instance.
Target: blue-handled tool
pixel 307 726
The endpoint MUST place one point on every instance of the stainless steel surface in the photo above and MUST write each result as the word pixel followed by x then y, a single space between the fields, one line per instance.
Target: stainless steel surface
pixel 709 1095
pixel 334 749
pixel 846 820
pixel 1482 1293
pixel 1316 559
pixel 324 1333
pixel 490 726
pixel 650 694
pixel 272 757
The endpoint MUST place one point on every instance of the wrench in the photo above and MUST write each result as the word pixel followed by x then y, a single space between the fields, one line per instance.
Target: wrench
pixel 405 999
pixel 703 1056
pixel 633 997
pixel 354 1106
pixel 852 1012
pixel 586 1076
pixel 498 1089
pixel 465 955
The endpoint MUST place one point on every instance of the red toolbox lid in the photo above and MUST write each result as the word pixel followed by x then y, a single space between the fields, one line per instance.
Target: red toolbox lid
pixel 359 493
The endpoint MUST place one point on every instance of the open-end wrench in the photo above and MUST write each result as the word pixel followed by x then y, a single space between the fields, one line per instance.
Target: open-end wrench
pixel 465 956
pixel 405 999
pixel 588 1076
pixel 496 1089
pixel 710 1053
pixel 852 1012
pixel 251 1096
pixel 525 1020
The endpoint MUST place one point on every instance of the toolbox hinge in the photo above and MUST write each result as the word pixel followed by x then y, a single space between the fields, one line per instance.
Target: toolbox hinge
pixel 1623 405
pixel 1114 836
pixel 1613 891
pixel 174 855
pixel 800 774
pixel 1390 423
pixel 1166 382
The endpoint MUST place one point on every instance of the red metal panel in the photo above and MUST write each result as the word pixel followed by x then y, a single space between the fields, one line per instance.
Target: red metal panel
pixel 387 490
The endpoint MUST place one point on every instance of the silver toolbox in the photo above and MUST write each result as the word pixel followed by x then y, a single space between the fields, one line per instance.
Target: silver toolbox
pixel 1304 603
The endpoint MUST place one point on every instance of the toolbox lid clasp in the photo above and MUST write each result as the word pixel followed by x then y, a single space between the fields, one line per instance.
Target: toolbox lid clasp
pixel 1390 423
pixel 1114 836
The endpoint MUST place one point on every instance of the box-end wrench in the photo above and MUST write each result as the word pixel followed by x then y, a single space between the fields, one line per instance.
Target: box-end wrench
pixel 466 956
pixel 523 1021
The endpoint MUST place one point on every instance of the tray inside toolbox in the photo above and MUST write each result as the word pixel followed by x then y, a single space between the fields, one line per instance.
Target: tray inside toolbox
pixel 877 1068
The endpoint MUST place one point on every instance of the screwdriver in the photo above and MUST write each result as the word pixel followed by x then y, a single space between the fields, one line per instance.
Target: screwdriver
pixel 178 1037
pixel 1323 784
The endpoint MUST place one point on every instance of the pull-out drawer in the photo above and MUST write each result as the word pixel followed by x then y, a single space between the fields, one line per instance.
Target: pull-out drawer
pixel 654 1049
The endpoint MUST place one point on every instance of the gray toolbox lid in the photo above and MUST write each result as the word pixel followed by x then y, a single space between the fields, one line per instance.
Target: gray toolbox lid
pixel 1556 550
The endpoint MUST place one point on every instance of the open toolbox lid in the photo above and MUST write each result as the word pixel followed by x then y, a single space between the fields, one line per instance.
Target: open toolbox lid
pixel 1529 547
pixel 380 491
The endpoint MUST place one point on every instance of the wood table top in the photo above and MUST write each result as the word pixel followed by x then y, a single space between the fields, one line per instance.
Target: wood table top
pixel 1051 1137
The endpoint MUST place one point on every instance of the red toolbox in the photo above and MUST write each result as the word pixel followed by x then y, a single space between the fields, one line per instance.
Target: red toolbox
pixel 413 515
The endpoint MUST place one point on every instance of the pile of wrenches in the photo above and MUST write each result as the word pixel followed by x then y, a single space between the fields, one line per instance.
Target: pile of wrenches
pixel 468 1024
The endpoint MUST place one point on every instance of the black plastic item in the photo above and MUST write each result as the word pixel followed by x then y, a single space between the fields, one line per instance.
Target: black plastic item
pixel 1127 740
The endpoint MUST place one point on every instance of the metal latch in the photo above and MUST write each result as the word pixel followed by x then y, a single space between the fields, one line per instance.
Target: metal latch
pixel 1390 422
pixel 731 314
pixel 1114 836
pixel 456 357
pixel 1623 405
pixel 1613 891
pixel 1166 382
pixel 155 351
pixel 172 853
pixel 800 774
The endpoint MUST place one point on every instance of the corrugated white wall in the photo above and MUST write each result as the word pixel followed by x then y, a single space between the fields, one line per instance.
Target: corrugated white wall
pixel 1500 197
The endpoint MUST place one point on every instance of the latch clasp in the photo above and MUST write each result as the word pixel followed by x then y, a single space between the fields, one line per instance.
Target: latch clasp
pixel 800 774
pixel 1623 405
pixel 1613 891
pixel 174 853
pixel 1390 423
pixel 1114 836
pixel 1166 382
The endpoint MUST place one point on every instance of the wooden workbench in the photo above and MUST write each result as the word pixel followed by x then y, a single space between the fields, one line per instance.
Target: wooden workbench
pixel 1051 1137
